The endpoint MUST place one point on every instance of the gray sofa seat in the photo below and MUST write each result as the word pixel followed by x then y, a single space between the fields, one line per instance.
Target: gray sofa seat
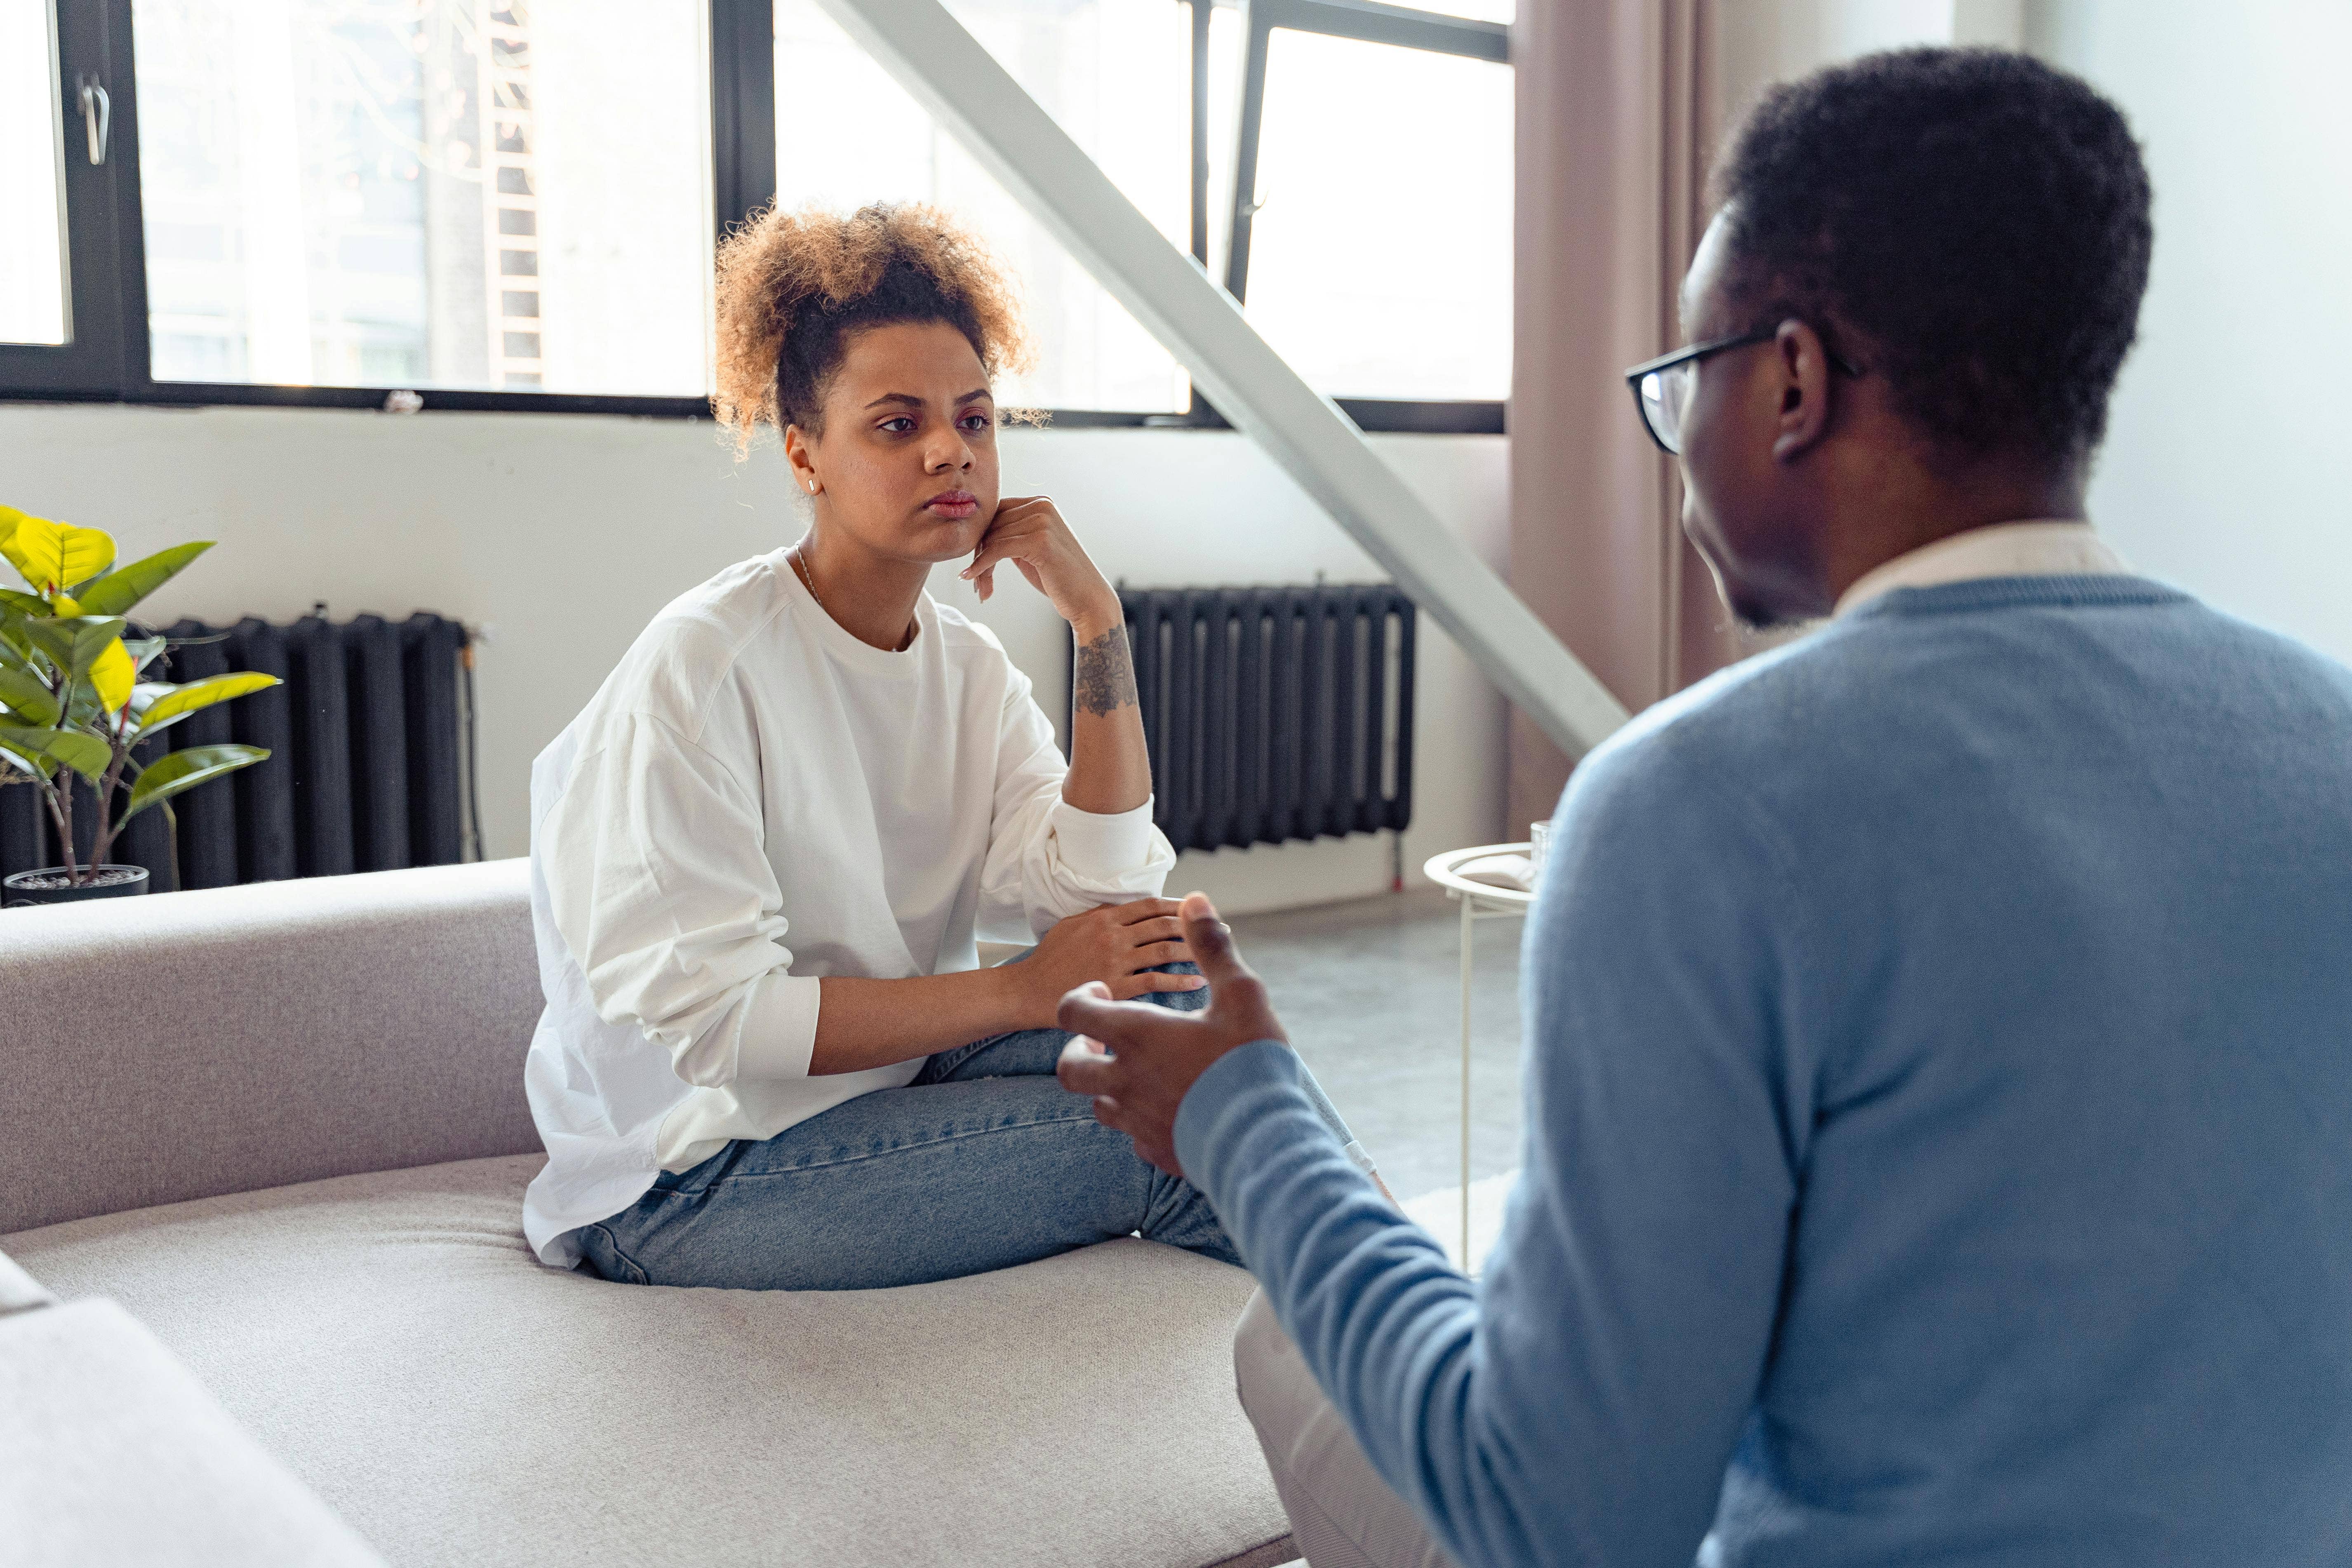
pixel 285 1130
pixel 389 1338
pixel 111 1453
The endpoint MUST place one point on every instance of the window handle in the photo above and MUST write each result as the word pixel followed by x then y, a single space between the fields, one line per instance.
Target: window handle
pixel 97 110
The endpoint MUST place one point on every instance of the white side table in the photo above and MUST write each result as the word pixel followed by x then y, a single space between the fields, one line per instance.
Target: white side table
pixel 1479 901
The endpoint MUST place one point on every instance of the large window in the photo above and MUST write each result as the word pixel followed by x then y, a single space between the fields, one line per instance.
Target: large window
pixel 429 193
pixel 1367 216
pixel 1115 74
pixel 32 178
pixel 512 204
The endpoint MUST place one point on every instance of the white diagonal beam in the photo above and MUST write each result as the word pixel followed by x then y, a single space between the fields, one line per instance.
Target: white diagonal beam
pixel 958 81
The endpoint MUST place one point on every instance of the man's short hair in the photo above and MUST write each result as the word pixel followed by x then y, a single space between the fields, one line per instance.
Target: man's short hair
pixel 1970 223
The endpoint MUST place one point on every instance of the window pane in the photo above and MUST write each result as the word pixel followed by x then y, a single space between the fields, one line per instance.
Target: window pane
pixel 436 193
pixel 1379 261
pixel 32 260
pixel 1115 74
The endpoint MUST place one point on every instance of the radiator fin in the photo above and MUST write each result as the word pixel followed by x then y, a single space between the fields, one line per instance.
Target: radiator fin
pixel 1274 714
pixel 365 770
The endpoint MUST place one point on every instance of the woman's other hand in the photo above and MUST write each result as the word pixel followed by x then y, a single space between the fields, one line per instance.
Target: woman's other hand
pixel 1029 532
pixel 1120 945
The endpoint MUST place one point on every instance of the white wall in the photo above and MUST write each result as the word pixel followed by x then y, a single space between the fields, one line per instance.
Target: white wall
pixel 1758 42
pixel 2227 469
pixel 562 534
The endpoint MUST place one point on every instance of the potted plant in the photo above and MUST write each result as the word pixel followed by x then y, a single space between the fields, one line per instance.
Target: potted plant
pixel 73 705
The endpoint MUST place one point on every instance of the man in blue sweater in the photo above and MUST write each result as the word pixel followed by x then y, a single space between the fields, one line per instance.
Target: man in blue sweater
pixel 1939 1031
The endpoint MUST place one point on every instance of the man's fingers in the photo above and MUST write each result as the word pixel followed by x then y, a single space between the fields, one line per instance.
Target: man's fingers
pixel 1212 940
pixel 1152 954
pixel 1141 909
pixel 1089 1010
pixel 1083 1070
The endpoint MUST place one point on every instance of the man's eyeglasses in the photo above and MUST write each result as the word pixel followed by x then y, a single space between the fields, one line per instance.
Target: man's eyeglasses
pixel 1661 387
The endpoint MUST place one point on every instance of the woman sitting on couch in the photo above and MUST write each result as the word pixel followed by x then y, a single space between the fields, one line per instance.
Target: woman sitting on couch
pixel 763 855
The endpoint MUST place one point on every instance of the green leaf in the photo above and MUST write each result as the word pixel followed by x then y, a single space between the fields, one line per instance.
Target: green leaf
pixel 74 645
pixel 168 776
pixel 85 754
pixel 28 698
pixel 26 754
pixel 30 603
pixel 126 585
pixel 142 650
pixel 176 703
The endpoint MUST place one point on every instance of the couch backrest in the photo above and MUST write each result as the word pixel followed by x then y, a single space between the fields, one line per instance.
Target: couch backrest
pixel 184 1045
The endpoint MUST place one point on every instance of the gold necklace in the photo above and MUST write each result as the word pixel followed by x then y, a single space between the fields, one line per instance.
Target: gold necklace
pixel 801 565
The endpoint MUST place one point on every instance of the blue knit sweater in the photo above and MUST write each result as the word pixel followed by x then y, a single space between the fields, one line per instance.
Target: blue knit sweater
pixel 1939 1121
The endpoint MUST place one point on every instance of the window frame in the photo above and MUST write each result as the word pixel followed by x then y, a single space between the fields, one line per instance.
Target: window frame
pixel 109 358
pixel 1366 21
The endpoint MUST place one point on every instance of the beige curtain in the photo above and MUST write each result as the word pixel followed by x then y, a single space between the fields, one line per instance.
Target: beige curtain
pixel 1616 117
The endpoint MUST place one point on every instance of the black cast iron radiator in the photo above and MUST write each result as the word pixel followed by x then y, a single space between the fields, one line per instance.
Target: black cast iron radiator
pixel 1275 713
pixel 371 766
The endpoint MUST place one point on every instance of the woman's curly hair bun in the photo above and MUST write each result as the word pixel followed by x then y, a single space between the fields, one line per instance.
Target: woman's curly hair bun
pixel 794 285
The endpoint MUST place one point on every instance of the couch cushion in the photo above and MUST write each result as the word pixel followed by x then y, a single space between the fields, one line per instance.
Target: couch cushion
pixel 389 1338
pixel 111 1456
pixel 237 1039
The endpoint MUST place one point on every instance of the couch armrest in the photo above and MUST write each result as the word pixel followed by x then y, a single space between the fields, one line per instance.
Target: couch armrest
pixel 186 1045
pixel 112 1453
pixel 19 1291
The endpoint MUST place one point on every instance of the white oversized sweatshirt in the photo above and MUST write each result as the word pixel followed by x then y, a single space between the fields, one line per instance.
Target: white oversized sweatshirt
pixel 753 799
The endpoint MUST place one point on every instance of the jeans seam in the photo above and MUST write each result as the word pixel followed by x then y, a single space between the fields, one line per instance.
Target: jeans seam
pixel 875 1154
pixel 612 1243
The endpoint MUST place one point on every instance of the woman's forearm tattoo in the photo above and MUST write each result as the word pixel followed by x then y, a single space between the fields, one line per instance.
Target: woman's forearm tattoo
pixel 1104 678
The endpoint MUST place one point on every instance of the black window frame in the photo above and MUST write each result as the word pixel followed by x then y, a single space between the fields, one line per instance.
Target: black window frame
pixel 109 358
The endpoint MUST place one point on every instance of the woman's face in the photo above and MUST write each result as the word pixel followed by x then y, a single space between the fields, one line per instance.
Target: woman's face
pixel 907 465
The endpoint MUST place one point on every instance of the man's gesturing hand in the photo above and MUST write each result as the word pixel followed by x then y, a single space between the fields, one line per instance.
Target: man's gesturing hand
pixel 1156 1054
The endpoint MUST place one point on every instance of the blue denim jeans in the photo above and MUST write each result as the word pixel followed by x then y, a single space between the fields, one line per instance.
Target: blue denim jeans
pixel 982 1163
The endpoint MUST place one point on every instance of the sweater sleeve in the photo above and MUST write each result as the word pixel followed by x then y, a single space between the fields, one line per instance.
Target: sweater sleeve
pixel 1580 1402
pixel 1047 860
pixel 662 892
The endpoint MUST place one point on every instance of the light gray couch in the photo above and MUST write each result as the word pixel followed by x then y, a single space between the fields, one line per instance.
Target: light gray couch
pixel 283 1126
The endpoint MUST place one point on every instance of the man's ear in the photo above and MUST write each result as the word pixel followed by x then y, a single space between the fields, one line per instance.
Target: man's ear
pixel 1803 365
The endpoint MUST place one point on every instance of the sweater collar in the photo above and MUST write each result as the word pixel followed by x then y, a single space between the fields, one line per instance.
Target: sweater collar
pixel 2033 549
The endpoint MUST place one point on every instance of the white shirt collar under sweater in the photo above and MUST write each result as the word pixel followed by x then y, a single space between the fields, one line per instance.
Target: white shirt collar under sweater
pixel 2005 550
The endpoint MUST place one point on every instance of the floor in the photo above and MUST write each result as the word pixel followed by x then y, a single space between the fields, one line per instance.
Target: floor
pixel 1370 991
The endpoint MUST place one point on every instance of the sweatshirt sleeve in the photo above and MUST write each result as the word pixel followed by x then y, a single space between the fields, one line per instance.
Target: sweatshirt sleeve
pixel 1047 860
pixel 1578 1404
pixel 661 887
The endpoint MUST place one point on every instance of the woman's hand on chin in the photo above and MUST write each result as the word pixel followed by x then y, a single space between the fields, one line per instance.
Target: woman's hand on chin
pixel 1120 945
pixel 1029 532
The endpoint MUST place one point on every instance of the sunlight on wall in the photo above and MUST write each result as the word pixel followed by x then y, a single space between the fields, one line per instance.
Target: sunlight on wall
pixel 2226 468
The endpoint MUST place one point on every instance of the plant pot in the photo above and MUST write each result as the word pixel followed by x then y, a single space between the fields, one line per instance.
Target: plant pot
pixel 23 890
